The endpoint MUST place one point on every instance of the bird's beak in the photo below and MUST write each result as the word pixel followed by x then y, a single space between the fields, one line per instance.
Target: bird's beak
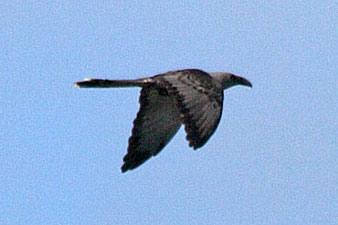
pixel 245 82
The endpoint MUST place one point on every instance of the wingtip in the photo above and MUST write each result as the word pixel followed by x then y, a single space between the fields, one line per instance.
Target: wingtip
pixel 123 169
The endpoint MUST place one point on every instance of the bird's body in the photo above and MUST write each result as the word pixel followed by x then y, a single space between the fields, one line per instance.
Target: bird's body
pixel 191 97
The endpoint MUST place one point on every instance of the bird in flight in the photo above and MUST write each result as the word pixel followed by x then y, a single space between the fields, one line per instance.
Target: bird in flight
pixel 190 97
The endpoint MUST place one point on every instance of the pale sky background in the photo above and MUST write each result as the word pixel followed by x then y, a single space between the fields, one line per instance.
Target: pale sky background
pixel 273 159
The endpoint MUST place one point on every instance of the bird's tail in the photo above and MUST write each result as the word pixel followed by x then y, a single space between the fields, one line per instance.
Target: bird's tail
pixel 99 83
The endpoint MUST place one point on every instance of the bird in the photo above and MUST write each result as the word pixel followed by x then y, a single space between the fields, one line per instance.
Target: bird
pixel 189 97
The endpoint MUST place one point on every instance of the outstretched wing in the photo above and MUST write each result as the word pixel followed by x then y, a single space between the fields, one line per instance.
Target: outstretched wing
pixel 156 123
pixel 200 100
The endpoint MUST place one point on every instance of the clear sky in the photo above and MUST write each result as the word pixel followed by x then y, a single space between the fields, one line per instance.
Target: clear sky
pixel 273 159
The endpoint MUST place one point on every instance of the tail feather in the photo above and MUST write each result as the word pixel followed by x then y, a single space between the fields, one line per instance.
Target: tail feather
pixel 99 83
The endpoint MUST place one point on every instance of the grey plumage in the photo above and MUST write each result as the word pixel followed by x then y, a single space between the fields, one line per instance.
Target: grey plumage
pixel 191 97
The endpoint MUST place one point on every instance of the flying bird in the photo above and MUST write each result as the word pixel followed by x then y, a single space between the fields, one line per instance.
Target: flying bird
pixel 190 97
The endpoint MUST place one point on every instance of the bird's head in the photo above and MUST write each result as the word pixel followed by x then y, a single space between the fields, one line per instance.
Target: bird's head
pixel 228 80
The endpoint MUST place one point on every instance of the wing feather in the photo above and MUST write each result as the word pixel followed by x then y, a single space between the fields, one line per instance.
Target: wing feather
pixel 200 100
pixel 156 123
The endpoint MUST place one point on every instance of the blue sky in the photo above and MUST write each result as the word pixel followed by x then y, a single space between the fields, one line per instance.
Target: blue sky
pixel 272 160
